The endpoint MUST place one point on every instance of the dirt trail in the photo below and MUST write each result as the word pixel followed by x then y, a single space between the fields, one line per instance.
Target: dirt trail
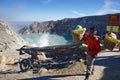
pixel 107 66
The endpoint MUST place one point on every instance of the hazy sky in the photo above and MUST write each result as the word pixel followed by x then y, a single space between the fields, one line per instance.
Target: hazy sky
pixel 42 10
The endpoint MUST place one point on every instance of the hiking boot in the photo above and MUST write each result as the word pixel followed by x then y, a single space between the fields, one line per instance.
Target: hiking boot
pixel 92 73
pixel 87 76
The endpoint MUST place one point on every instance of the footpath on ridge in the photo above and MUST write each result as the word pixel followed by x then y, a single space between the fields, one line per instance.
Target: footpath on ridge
pixel 107 67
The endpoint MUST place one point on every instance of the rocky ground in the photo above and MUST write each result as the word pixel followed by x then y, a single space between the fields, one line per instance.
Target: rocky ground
pixel 106 68
pixel 106 65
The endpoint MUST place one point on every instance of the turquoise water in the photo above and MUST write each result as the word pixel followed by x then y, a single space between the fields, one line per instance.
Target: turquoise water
pixel 45 39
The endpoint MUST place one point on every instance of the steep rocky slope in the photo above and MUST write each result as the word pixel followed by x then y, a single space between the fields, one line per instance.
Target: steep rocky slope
pixel 8 38
pixel 65 26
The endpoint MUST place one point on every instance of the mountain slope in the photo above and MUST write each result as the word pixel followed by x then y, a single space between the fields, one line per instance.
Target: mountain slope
pixel 65 26
pixel 8 38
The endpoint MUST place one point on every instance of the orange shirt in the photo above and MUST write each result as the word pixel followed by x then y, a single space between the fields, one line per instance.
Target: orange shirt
pixel 93 44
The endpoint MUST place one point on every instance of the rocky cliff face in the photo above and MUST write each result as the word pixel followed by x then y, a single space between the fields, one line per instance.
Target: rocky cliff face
pixel 8 38
pixel 65 26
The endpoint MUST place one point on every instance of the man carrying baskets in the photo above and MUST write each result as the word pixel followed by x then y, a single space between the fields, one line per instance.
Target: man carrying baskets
pixel 93 48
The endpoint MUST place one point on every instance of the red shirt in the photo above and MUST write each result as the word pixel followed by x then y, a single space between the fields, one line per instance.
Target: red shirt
pixel 93 44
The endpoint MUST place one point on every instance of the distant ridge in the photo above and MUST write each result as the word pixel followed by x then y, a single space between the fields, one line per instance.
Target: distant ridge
pixel 65 26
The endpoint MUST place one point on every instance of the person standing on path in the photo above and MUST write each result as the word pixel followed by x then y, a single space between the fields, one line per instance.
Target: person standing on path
pixel 93 48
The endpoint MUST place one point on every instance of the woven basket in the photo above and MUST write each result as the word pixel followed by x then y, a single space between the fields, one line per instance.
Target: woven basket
pixel 108 44
pixel 77 35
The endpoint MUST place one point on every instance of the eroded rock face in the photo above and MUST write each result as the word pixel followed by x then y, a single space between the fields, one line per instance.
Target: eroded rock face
pixel 8 38
pixel 65 26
